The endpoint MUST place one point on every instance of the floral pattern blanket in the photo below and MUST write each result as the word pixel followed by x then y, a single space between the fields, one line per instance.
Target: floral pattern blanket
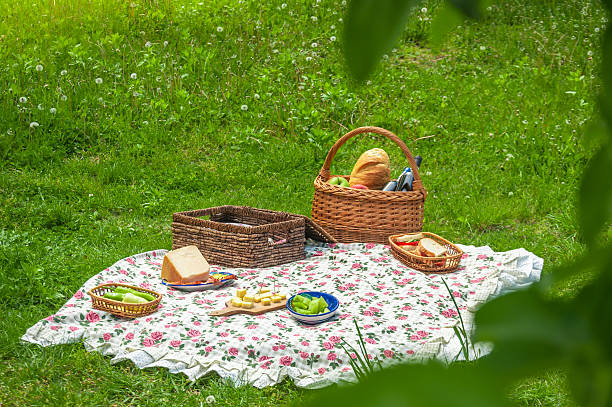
pixel 404 315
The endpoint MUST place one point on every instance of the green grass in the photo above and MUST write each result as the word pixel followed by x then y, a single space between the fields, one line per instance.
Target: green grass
pixel 499 115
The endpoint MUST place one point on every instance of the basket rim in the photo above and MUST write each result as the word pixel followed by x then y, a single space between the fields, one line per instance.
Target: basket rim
pixel 418 257
pixel 321 185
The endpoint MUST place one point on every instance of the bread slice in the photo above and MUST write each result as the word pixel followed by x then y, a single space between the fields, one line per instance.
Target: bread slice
pixel 430 248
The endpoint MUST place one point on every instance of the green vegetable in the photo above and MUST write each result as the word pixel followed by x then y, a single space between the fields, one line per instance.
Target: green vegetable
pixel 114 296
pixel 133 299
pixel 125 290
pixel 121 289
pixel 322 304
pixel 326 310
pixel 146 296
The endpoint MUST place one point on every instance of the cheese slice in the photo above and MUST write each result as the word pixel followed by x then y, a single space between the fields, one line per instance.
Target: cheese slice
pixel 185 265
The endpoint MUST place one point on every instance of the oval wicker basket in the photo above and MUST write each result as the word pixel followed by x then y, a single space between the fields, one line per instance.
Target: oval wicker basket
pixel 358 215
pixel 119 308
pixel 438 265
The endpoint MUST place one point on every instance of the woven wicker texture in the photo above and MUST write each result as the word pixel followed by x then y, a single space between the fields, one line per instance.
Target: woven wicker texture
pixel 429 265
pixel 357 215
pixel 273 237
pixel 122 309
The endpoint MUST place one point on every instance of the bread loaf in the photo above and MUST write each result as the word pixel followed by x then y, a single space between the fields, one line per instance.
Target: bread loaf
pixel 372 169
pixel 430 248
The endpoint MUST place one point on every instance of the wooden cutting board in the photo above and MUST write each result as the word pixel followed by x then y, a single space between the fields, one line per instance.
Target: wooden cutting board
pixel 257 309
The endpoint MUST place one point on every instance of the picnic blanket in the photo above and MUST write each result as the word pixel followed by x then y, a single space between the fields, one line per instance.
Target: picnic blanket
pixel 404 315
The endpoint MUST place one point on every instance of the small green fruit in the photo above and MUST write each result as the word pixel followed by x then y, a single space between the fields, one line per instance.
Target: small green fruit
pixel 342 182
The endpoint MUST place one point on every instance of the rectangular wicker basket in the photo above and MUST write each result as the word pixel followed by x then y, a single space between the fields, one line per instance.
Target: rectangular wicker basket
pixel 241 236
pixel 357 215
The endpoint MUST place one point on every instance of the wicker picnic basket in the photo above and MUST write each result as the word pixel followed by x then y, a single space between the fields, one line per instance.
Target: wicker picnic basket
pixel 437 265
pixel 241 236
pixel 122 309
pixel 358 215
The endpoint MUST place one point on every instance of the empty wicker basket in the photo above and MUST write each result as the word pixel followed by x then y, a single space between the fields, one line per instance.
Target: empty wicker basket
pixel 241 236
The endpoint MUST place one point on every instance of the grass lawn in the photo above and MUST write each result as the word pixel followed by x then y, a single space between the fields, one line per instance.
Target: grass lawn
pixel 115 114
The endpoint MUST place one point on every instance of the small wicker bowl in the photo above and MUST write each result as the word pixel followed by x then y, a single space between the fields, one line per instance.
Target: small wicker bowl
pixel 438 265
pixel 119 308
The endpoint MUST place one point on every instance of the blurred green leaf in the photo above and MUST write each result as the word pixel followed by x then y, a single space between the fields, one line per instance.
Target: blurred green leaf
pixel 470 8
pixel 446 20
pixel 372 27
pixel 431 385
pixel 596 194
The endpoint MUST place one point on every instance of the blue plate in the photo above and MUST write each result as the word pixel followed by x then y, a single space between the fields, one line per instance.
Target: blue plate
pixel 201 286
pixel 332 303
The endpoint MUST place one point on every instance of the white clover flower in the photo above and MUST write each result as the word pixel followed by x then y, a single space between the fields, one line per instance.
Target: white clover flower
pixel 210 399
pixel 510 193
pixel 64 98
pixel 332 38
pixel 308 59
pixel 333 27
pixel 340 20
pixel 39 67
pixel 424 10
pixel 100 100
pixel 165 44
pixel 34 125
pixel 40 106
pixel 314 45
pixel 148 44
pixel 482 47
pixel 53 110
pixel 314 18
pixel 133 75
pixel 219 29
pixel 99 81
pixel 596 29
pixel 145 122
pixel 63 72
pixel 23 99
pixel 284 5
pixel 590 53
pixel 256 96
pixel 344 2
pixel 244 107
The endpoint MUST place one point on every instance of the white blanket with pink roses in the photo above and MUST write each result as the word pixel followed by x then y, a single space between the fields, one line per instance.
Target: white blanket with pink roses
pixel 404 315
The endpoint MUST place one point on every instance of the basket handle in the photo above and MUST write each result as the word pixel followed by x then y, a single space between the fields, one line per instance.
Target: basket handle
pixel 417 185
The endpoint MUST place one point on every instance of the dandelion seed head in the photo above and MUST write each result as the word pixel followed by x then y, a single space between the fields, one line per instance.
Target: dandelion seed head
pixel 219 29
pixel 244 107
pixel 210 399
pixel 332 38
pixel 308 59
pixel 23 99
pixel 482 47
pixel 424 10
pixel 34 125
pixel 314 18
pixel 314 45
pixel 256 96
pixel 133 75
pixel 64 98
pixel 53 110
pixel 590 53
pixel 284 5
pixel 99 81
pixel 39 67
pixel 63 72
pixel 165 44
pixel 148 44
pixel 40 106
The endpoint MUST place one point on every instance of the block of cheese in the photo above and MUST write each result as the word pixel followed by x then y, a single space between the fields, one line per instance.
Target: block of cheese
pixel 256 298
pixel 247 304
pixel 241 292
pixel 237 302
pixel 184 266
pixel 276 298
pixel 265 301
pixel 247 298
